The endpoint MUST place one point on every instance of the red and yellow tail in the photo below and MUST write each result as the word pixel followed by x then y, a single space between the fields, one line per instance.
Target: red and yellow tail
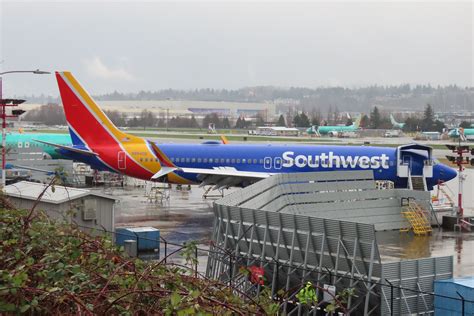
pixel 91 128
pixel 84 116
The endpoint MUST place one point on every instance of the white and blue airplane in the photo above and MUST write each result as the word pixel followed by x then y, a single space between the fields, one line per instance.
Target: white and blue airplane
pixel 97 142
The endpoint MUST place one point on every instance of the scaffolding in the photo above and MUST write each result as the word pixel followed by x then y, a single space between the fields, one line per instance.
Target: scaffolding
pixel 277 225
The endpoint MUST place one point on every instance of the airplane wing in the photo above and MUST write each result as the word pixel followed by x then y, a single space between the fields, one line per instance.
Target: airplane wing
pixel 226 171
pixel 218 176
pixel 224 177
pixel 68 148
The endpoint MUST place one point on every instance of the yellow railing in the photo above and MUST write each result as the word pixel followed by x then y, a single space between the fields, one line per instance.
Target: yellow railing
pixel 419 221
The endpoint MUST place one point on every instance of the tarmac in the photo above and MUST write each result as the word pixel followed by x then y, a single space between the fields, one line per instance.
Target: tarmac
pixel 187 216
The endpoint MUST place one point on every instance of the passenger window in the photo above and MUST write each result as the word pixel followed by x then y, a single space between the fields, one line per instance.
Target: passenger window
pixel 188 160
pixel 244 160
pixel 238 160
pixel 20 145
pixel 227 160
pixel 222 160
pixel 27 145
pixel 205 160
pixel 210 160
pixel 232 161
pixel 261 161
pixel 193 160
pixel 199 160
pixel 255 161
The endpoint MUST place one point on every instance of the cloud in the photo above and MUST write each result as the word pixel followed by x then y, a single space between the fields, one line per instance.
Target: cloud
pixel 97 68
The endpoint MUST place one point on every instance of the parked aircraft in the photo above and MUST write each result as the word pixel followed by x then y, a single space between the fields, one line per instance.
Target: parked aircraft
pixel 29 140
pixel 464 133
pixel 395 124
pixel 98 142
pixel 335 130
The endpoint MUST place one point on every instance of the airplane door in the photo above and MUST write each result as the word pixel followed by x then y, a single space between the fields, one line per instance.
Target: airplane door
pixel 122 160
pixel 267 162
pixel 407 160
pixel 277 161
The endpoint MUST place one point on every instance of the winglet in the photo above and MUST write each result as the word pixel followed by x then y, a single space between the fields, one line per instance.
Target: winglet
pixel 68 148
pixel 224 140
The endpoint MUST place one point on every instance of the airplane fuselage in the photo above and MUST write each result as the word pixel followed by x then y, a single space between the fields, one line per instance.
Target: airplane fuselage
pixel 270 159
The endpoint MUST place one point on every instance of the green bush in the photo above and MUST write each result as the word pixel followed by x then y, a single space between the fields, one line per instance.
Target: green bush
pixel 47 267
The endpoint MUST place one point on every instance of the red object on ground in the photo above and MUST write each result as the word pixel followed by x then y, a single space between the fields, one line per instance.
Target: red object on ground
pixel 256 274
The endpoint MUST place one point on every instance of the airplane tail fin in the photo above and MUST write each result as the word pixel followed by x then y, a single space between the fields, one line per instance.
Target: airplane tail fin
pixel 392 120
pixel 88 124
pixel 357 121
pixel 224 140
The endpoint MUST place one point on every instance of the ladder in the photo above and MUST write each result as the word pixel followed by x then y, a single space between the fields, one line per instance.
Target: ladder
pixel 446 194
pixel 418 219
pixel 417 183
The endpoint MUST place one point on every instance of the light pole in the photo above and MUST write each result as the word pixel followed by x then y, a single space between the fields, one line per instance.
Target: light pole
pixel 4 104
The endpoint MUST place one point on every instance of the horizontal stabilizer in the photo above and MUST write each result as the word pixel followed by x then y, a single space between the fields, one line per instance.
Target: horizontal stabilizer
pixel 163 172
pixel 11 166
pixel 68 148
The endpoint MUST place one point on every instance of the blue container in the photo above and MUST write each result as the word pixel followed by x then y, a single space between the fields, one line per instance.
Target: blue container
pixel 147 238
pixel 452 306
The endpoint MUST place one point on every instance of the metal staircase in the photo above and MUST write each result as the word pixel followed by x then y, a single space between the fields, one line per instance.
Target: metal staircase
pixel 443 190
pixel 418 219
pixel 418 183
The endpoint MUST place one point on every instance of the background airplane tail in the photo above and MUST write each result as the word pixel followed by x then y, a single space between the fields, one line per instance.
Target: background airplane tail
pixel 392 120
pixel 357 121
pixel 88 124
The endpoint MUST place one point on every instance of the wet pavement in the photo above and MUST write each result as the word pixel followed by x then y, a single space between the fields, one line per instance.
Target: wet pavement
pixel 396 246
pixel 186 216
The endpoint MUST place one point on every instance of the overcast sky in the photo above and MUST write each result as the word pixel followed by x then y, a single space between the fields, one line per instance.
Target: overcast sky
pixel 129 46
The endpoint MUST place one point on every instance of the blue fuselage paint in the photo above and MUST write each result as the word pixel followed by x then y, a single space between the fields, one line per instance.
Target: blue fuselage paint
pixel 282 159
pixel 297 158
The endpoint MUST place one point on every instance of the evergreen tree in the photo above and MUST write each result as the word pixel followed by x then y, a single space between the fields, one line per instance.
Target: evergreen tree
pixel 238 123
pixel 365 121
pixel 304 120
pixel 296 120
pixel 428 123
pixel 211 118
pixel 225 122
pixel 375 118
pixel 194 123
pixel 281 121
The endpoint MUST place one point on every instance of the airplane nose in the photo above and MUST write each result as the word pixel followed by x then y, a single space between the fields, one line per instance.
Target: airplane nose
pixel 447 173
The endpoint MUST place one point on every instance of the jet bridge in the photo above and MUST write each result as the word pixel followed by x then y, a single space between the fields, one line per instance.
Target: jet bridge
pixel 414 165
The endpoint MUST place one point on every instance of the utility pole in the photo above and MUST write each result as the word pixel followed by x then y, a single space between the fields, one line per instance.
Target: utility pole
pixel 462 158
pixel 10 102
